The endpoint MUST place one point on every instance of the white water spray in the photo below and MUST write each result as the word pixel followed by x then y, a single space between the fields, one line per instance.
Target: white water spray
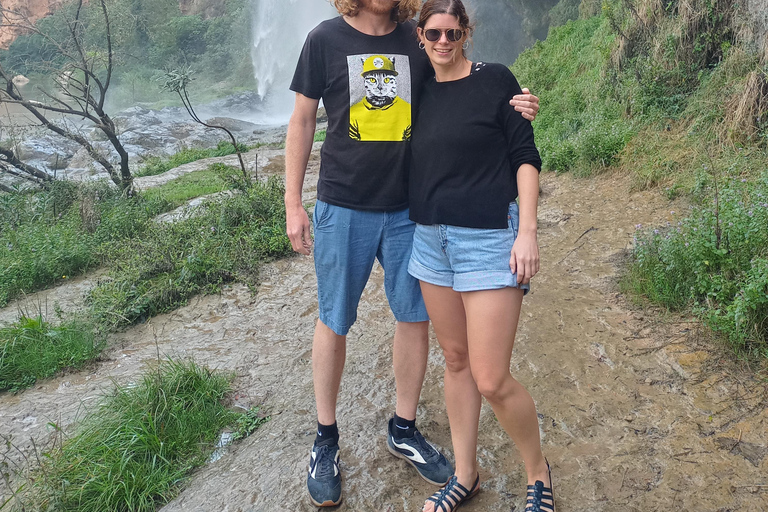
pixel 279 30
pixel 281 26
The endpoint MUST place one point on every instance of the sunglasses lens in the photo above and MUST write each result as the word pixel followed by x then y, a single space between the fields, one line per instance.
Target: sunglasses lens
pixel 453 35
pixel 432 34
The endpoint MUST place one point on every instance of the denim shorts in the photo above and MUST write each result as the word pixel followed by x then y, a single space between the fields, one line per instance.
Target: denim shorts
pixel 346 244
pixel 466 259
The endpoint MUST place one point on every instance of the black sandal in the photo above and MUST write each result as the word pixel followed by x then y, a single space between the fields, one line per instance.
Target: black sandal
pixel 537 493
pixel 453 495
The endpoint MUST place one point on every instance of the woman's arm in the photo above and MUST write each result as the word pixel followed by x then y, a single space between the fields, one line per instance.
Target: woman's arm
pixel 524 259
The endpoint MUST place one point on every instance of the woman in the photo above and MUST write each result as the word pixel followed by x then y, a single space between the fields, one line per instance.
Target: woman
pixel 474 250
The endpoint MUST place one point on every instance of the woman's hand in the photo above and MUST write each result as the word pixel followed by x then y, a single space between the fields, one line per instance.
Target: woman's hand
pixel 524 258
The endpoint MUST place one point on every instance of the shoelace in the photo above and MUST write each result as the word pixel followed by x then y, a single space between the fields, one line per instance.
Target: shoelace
pixel 324 462
pixel 427 451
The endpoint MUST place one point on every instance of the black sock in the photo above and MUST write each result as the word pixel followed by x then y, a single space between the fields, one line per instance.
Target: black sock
pixel 327 434
pixel 403 428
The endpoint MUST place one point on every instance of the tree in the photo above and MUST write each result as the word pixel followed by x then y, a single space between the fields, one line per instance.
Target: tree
pixel 177 81
pixel 82 67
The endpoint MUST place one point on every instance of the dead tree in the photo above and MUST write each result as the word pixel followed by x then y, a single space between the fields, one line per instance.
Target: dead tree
pixel 82 83
pixel 11 165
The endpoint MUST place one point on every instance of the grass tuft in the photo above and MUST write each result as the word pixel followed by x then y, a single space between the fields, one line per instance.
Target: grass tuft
pixel 137 447
pixel 32 349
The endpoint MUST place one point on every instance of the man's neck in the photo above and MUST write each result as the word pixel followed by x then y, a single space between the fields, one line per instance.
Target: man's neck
pixel 370 23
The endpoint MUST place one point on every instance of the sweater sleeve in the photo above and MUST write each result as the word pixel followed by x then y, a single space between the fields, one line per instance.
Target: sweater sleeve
pixel 518 131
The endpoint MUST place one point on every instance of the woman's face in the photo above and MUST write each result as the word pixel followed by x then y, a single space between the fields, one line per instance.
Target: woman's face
pixel 443 51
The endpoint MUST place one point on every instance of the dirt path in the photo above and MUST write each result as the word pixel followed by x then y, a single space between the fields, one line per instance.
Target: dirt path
pixel 637 414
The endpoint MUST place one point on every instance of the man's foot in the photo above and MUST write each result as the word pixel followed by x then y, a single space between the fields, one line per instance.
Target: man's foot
pixel 430 463
pixel 324 478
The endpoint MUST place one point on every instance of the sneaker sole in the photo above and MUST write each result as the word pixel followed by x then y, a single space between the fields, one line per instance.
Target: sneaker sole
pixel 409 461
pixel 327 503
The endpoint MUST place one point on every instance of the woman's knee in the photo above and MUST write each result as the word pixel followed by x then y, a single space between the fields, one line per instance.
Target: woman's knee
pixel 495 387
pixel 456 360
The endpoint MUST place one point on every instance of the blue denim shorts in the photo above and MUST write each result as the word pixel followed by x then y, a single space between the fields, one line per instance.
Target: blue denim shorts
pixel 346 244
pixel 466 259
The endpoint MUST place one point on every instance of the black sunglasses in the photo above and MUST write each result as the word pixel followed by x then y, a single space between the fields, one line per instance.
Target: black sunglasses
pixel 452 34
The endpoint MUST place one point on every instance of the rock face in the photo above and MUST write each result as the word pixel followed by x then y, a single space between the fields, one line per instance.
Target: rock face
pixel 21 11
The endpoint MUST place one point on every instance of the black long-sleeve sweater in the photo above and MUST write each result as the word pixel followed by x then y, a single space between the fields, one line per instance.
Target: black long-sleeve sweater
pixel 467 146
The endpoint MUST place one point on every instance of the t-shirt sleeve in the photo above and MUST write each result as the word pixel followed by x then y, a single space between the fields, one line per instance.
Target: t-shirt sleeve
pixel 517 130
pixel 309 77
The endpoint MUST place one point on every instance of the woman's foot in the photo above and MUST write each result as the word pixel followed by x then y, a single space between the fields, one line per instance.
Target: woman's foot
pixel 451 496
pixel 541 496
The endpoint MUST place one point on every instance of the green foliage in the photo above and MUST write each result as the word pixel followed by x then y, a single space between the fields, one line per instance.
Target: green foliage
pixel 319 136
pixel 32 349
pixel 582 127
pixel 713 260
pixel 133 451
pixel 57 234
pixel 216 178
pixel 247 423
pixel 225 240
pixel 149 36
pixel 155 165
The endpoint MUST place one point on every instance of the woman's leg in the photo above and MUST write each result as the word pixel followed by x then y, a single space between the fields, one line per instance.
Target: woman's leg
pixel 492 317
pixel 462 400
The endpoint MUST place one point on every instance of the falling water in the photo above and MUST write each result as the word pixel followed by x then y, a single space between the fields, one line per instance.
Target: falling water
pixel 280 27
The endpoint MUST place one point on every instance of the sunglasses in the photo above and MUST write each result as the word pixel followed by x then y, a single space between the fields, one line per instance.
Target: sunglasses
pixel 452 34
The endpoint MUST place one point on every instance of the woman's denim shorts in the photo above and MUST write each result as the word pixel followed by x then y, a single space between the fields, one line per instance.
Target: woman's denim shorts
pixel 466 259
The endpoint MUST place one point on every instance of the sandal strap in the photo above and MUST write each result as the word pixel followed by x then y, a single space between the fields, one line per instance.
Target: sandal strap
pixel 535 496
pixel 453 494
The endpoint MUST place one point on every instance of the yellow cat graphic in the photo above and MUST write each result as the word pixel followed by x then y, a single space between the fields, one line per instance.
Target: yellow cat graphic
pixel 381 115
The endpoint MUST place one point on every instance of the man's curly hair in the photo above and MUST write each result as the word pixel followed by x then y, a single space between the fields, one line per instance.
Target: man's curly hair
pixel 405 9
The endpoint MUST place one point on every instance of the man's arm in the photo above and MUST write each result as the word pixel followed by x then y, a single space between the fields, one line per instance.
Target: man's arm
pixel 298 146
pixel 526 103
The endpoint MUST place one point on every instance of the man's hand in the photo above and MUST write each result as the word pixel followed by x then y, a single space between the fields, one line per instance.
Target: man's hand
pixel 526 103
pixel 297 227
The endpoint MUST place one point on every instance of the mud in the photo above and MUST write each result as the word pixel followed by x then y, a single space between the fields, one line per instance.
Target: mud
pixel 639 411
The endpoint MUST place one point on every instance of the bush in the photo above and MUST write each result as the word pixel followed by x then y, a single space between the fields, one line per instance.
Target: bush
pixel 713 261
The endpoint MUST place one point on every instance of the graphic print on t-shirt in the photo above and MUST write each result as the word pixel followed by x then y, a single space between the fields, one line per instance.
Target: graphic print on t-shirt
pixel 379 97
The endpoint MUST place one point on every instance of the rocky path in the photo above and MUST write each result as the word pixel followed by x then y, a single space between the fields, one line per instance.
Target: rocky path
pixel 637 412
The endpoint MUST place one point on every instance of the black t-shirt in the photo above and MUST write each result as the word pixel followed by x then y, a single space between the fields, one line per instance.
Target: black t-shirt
pixel 368 85
pixel 468 144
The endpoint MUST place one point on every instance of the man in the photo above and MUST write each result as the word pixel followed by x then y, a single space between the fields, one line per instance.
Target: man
pixel 361 213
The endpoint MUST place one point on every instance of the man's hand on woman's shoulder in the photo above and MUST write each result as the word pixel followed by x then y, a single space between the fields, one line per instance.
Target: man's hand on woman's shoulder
pixel 526 103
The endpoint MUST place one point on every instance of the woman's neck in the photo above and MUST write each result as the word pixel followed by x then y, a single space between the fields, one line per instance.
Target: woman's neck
pixel 453 71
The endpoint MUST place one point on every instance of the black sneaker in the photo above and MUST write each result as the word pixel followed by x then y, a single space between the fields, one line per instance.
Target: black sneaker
pixel 324 477
pixel 430 463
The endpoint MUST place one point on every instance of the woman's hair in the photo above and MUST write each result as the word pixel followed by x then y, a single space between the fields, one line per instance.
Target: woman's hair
pixel 405 10
pixel 452 7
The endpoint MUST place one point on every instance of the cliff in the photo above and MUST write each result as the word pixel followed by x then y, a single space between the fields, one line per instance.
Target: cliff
pixel 17 11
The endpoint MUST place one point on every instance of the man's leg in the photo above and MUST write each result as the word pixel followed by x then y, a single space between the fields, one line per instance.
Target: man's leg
pixel 410 351
pixel 328 354
pixel 346 242
pixel 411 346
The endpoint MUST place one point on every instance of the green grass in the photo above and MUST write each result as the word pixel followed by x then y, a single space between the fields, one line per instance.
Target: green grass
pixel 195 184
pixel 32 349
pixel 319 136
pixel 134 451
pixel 228 240
pixel 714 261
pixel 157 165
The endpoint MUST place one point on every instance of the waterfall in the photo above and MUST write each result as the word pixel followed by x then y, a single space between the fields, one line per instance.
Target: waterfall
pixel 279 30
pixel 280 27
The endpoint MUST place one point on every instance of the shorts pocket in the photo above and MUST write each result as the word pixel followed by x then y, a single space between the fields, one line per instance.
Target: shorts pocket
pixel 513 218
pixel 320 215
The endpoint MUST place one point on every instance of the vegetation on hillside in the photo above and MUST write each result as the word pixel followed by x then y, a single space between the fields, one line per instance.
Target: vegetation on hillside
pixel 675 94
pixel 149 37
